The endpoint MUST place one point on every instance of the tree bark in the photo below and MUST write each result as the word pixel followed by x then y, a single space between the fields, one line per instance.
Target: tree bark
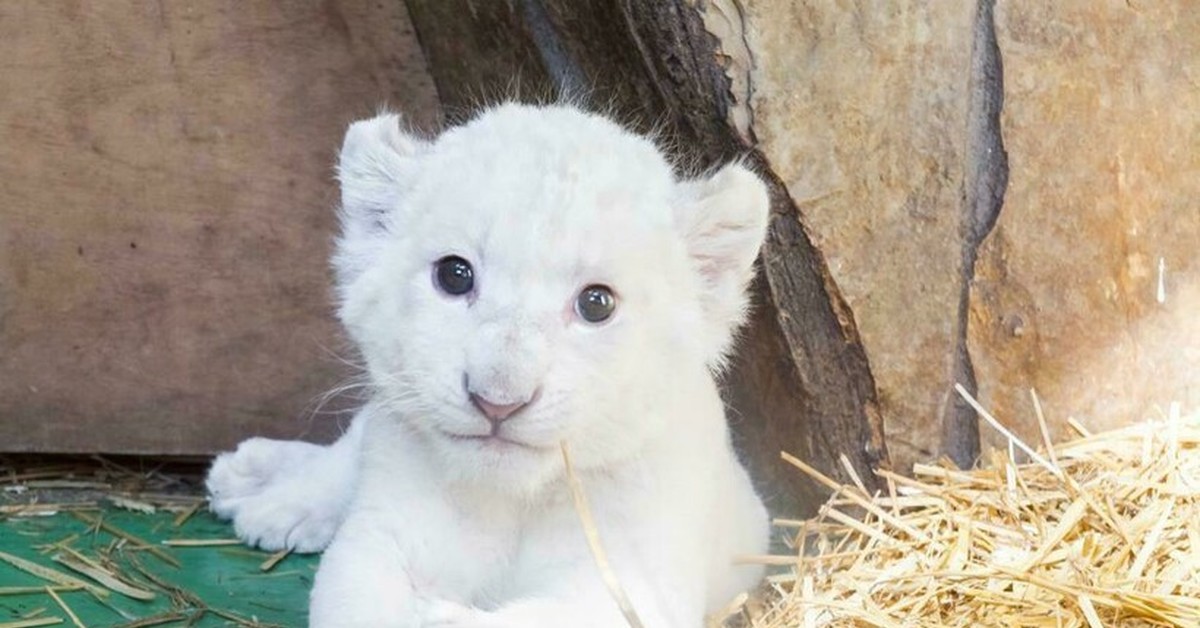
pixel 801 381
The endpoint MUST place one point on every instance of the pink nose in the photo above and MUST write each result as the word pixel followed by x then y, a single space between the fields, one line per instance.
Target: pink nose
pixel 496 412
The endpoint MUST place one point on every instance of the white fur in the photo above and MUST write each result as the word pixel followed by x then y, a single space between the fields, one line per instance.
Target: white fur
pixel 433 530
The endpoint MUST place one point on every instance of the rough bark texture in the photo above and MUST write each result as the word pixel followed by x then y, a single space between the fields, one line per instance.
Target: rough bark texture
pixel 801 380
pixel 166 214
pixel 984 184
pixel 861 108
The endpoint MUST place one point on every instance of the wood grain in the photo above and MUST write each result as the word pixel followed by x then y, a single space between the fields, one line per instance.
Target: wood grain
pixel 166 213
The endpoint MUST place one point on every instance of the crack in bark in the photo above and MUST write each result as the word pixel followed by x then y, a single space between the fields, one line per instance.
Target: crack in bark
pixel 984 186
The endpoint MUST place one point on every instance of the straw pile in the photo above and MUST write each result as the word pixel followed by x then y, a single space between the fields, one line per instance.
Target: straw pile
pixel 1100 531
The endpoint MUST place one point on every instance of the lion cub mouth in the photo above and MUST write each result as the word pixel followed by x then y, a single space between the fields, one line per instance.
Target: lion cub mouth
pixel 492 441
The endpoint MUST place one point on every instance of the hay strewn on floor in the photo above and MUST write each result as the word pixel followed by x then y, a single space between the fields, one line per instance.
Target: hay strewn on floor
pixel 128 543
pixel 1099 531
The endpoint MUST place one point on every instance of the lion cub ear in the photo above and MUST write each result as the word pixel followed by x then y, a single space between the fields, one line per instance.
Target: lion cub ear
pixel 723 220
pixel 375 169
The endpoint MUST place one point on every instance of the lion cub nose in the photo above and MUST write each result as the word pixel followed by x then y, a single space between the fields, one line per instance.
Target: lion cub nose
pixel 497 412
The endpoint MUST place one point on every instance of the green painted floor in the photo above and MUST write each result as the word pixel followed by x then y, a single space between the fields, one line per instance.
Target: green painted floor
pixel 222 585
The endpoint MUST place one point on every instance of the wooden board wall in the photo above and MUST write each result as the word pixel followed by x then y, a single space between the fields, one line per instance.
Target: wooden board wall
pixel 166 200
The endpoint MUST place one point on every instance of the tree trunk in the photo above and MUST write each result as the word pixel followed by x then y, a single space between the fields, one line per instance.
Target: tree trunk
pixel 801 381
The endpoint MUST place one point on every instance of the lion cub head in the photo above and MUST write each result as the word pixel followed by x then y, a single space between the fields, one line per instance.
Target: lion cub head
pixel 538 274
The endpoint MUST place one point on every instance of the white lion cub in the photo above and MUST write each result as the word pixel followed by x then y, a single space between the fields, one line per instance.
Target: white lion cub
pixel 536 276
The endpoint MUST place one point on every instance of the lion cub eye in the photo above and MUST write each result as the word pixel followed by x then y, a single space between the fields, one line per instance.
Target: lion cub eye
pixel 454 275
pixel 596 304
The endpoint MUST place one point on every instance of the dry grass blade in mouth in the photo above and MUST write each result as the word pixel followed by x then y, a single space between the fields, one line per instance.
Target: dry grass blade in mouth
pixel 1103 530
pixel 593 539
